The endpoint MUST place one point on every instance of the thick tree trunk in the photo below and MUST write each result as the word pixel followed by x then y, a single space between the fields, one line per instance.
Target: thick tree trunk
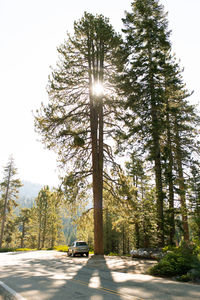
pixel 137 235
pixel 170 183
pixel 97 164
pixel 23 234
pixel 136 223
pixel 39 231
pixel 44 227
pixel 107 232
pixel 123 240
pixel 95 62
pixel 156 153
pixel 158 178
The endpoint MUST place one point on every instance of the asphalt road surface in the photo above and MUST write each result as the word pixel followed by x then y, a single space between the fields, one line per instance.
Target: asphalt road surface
pixel 45 275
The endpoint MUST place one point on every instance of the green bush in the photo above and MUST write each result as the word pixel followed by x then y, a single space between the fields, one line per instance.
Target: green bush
pixel 62 248
pixel 113 254
pixel 177 261
pixel 7 250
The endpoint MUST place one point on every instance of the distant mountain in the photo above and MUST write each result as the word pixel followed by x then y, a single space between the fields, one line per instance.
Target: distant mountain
pixel 27 193
pixel 29 189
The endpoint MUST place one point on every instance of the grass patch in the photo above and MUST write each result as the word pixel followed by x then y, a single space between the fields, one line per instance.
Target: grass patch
pixel 15 249
pixel 113 254
pixel 61 248
pixel 25 249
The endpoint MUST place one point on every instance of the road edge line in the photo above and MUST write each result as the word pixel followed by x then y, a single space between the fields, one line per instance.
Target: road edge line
pixel 11 291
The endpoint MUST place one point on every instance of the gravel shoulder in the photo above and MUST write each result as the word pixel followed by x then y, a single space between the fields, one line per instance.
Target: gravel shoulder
pixel 122 264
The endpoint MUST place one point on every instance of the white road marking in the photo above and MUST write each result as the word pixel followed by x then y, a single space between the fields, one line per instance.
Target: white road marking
pixel 11 291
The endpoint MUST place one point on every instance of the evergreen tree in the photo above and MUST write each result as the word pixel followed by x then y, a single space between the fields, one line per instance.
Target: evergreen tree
pixel 42 215
pixel 9 192
pixel 194 198
pixel 81 106
pixel 32 230
pixel 23 220
pixel 181 144
pixel 147 42
pixel 131 210
pixel 47 218
pixel 55 226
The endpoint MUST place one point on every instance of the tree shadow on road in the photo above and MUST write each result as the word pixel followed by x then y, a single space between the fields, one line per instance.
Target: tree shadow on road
pixel 97 277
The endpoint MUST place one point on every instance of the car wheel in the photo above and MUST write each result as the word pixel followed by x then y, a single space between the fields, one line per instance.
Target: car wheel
pixel 86 254
pixel 68 253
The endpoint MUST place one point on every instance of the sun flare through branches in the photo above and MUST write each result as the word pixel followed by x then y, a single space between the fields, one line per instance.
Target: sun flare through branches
pixel 98 89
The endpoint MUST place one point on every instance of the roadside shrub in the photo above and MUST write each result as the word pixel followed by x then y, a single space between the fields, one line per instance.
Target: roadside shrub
pixel 196 244
pixel 61 248
pixel 7 250
pixel 113 254
pixel 177 261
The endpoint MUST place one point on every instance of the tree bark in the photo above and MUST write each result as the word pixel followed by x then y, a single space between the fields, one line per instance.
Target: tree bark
pixel 39 230
pixel 170 182
pixel 97 164
pixel 96 125
pixel 156 152
pixel 23 234
pixel 181 183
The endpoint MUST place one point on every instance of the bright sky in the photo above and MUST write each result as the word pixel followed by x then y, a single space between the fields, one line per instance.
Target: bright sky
pixel 31 30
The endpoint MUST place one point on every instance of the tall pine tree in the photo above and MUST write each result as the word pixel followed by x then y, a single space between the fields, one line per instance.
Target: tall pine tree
pixel 142 80
pixel 81 107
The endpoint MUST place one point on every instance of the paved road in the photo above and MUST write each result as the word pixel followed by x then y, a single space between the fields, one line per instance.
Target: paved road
pixel 46 275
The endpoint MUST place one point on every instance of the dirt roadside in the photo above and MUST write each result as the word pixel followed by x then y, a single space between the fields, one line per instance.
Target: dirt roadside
pixel 122 263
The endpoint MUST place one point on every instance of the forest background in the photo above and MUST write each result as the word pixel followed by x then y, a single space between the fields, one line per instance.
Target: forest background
pixel 154 199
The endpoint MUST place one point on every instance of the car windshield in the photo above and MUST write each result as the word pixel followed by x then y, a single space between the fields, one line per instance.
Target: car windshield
pixel 81 244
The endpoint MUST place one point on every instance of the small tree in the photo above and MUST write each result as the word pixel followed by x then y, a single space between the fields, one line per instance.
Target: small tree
pixel 23 220
pixel 9 189
pixel 42 215
pixel 48 219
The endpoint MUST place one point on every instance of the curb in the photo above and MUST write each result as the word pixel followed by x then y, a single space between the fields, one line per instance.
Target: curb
pixel 6 293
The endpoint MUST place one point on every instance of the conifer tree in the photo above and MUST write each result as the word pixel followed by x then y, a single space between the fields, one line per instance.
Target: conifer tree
pixel 81 107
pixel 54 220
pixel 147 43
pixel 181 144
pixel 23 220
pixel 49 219
pixel 9 192
pixel 42 215
pixel 194 198
pixel 185 120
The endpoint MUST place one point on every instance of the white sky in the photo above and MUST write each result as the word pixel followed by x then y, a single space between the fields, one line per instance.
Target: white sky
pixel 31 30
